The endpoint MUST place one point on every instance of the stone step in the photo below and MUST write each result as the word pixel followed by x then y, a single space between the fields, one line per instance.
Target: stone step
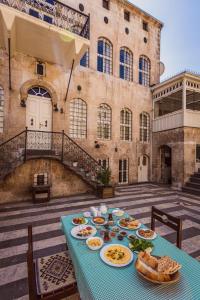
pixel 190 190
pixel 195 185
pixel 196 174
pixel 195 179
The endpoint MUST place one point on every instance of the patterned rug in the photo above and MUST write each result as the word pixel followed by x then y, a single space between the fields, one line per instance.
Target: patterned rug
pixel 54 272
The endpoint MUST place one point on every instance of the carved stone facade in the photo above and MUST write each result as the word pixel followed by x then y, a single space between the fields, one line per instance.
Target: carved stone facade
pixel 94 88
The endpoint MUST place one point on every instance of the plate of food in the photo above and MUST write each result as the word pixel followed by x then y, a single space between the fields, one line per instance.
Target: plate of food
pixel 99 221
pixel 137 245
pixel 146 234
pixel 159 270
pixel 83 232
pixel 94 243
pixel 79 221
pixel 116 255
pixel 129 224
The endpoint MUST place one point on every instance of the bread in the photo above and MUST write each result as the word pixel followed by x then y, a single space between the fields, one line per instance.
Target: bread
pixel 156 269
pixel 148 259
pixel 167 266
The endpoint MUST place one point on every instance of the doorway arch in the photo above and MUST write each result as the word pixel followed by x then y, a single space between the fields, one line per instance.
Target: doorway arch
pixel 39 118
pixel 166 164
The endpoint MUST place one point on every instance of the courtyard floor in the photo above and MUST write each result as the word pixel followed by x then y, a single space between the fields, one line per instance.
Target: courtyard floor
pixel 48 237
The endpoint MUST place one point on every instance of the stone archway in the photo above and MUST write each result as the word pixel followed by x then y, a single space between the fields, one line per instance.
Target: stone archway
pixel 38 82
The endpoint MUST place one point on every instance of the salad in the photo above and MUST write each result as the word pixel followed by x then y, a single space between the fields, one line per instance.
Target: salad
pixel 136 244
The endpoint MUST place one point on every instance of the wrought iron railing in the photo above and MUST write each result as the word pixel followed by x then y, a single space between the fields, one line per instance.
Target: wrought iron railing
pixel 30 143
pixel 54 12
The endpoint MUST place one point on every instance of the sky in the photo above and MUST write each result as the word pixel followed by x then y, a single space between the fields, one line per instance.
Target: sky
pixel 180 39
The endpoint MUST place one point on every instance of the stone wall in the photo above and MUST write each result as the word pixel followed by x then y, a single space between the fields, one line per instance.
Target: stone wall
pixel 175 140
pixel 96 87
pixel 17 186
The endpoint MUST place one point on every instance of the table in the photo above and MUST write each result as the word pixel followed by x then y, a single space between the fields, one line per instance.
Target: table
pixel 98 281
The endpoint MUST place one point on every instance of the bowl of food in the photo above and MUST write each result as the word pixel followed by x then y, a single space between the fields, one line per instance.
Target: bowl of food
pixel 99 220
pixel 118 212
pixel 79 221
pixel 123 233
pixel 94 243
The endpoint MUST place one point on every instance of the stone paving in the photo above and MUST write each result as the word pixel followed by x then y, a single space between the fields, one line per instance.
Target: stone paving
pixel 48 237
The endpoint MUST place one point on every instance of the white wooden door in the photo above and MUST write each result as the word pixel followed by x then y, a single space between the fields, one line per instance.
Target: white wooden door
pixel 143 168
pixel 39 119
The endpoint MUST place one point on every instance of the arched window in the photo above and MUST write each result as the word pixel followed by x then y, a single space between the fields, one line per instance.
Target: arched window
pixel 39 91
pixel 144 127
pixel 126 64
pixel 1 109
pixel 78 119
pixel 104 56
pixel 125 124
pixel 104 122
pixel 144 71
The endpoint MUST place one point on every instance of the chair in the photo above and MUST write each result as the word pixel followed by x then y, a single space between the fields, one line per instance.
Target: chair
pixel 41 188
pixel 169 220
pixel 50 277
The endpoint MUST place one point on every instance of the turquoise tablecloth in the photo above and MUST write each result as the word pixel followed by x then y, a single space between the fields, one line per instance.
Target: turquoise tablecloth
pixel 98 281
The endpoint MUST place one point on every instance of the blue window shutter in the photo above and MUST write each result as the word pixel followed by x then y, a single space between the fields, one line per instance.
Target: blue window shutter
pixel 140 78
pixel 100 64
pixel 50 1
pixel 33 13
pixel 48 19
pixel 122 55
pixel 140 63
pixel 83 61
pixel 100 47
pixel 121 72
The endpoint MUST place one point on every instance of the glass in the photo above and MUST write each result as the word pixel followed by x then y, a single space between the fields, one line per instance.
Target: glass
pixel 103 208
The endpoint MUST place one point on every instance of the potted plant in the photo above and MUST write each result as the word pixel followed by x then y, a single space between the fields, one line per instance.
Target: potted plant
pixel 104 188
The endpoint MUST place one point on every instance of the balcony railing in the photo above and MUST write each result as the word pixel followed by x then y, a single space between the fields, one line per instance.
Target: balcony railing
pixel 54 12
pixel 169 121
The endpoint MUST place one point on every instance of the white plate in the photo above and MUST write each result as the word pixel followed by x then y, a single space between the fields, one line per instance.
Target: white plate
pixel 118 212
pixel 86 221
pixel 126 228
pixel 76 229
pixel 111 264
pixel 152 238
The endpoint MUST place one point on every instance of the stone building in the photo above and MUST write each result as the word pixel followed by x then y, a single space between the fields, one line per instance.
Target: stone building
pixel 176 130
pixel 85 68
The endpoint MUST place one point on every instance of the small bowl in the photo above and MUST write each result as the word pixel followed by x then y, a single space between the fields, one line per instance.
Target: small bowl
pixel 120 237
pixel 94 247
pixel 123 233
pixel 118 212
pixel 115 229
pixel 87 214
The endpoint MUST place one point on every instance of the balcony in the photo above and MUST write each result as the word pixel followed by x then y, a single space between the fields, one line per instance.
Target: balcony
pixel 177 103
pixel 49 30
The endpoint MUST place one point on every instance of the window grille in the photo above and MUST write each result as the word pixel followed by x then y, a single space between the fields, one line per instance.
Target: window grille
pixel 104 56
pixel 1 109
pixel 104 122
pixel 126 64
pixel 123 171
pixel 144 127
pixel 104 163
pixel 39 91
pixel 126 125
pixel 84 62
pixel 78 119
pixel 144 71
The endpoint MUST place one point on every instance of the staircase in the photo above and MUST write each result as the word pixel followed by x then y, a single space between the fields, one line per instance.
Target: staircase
pixel 193 185
pixel 31 144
